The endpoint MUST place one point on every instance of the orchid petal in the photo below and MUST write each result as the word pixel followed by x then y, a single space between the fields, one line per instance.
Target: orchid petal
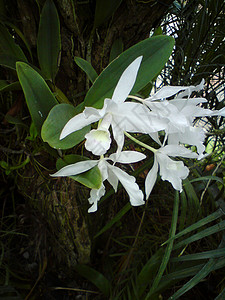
pixel 151 178
pixel 126 81
pixel 118 135
pixel 98 141
pixel 166 92
pixel 128 182
pixel 176 150
pixel 191 89
pixel 172 171
pixel 112 179
pixel 95 196
pixel 127 157
pixel 76 123
pixel 135 117
pixel 77 168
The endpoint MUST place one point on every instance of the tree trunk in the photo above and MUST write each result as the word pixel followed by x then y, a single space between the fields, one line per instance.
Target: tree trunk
pixel 59 201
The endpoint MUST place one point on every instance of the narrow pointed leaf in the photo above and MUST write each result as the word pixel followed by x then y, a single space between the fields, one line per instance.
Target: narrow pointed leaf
pixel 217 214
pixel 95 277
pixel 209 231
pixel 201 255
pixel 169 247
pixel 53 125
pixel 155 52
pixel 87 68
pixel 195 280
pixel 49 40
pixel 91 179
pixel 117 217
pixel 39 98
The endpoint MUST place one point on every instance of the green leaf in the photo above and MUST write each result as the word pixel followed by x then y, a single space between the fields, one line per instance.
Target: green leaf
pixel 21 35
pixel 217 214
pixel 53 125
pixel 87 68
pixel 201 255
pixel 92 178
pixel 8 61
pixel 5 86
pixel 9 47
pixel 195 280
pixel 117 218
pixel 169 247
pixel 49 41
pixel 221 296
pixel 155 51
pixel 95 277
pixel 39 98
pixel 104 10
pixel 206 232
pixel 116 50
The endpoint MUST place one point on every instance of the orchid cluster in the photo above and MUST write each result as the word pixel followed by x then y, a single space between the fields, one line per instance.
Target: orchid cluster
pixel 155 116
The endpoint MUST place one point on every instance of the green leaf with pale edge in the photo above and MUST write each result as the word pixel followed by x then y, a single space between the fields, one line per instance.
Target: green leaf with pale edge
pixel 9 47
pixel 87 68
pixel 95 277
pixel 92 178
pixel 39 97
pixel 53 125
pixel 49 40
pixel 155 51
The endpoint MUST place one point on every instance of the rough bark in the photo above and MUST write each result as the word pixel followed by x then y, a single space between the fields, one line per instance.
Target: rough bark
pixel 132 22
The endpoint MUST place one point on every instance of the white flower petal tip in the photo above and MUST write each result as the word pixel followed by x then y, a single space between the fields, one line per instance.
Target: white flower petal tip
pixel 98 141
pixel 127 157
pixel 75 169
pixel 126 81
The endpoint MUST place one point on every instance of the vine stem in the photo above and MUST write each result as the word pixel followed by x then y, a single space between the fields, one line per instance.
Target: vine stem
pixel 140 143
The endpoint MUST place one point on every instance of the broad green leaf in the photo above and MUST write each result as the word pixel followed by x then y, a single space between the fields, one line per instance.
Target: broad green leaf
pixel 92 178
pixel 49 40
pixel 155 51
pixel 5 86
pixel 53 125
pixel 87 68
pixel 104 10
pixel 95 277
pixel 9 47
pixel 169 247
pixel 117 217
pixel 21 35
pixel 116 50
pixel 39 98
pixel 8 61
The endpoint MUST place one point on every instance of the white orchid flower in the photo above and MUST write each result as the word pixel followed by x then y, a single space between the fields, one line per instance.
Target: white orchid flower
pixel 170 170
pixel 111 173
pixel 121 115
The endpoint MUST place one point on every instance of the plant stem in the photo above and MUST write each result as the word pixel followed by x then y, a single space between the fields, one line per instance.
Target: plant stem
pixel 140 143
